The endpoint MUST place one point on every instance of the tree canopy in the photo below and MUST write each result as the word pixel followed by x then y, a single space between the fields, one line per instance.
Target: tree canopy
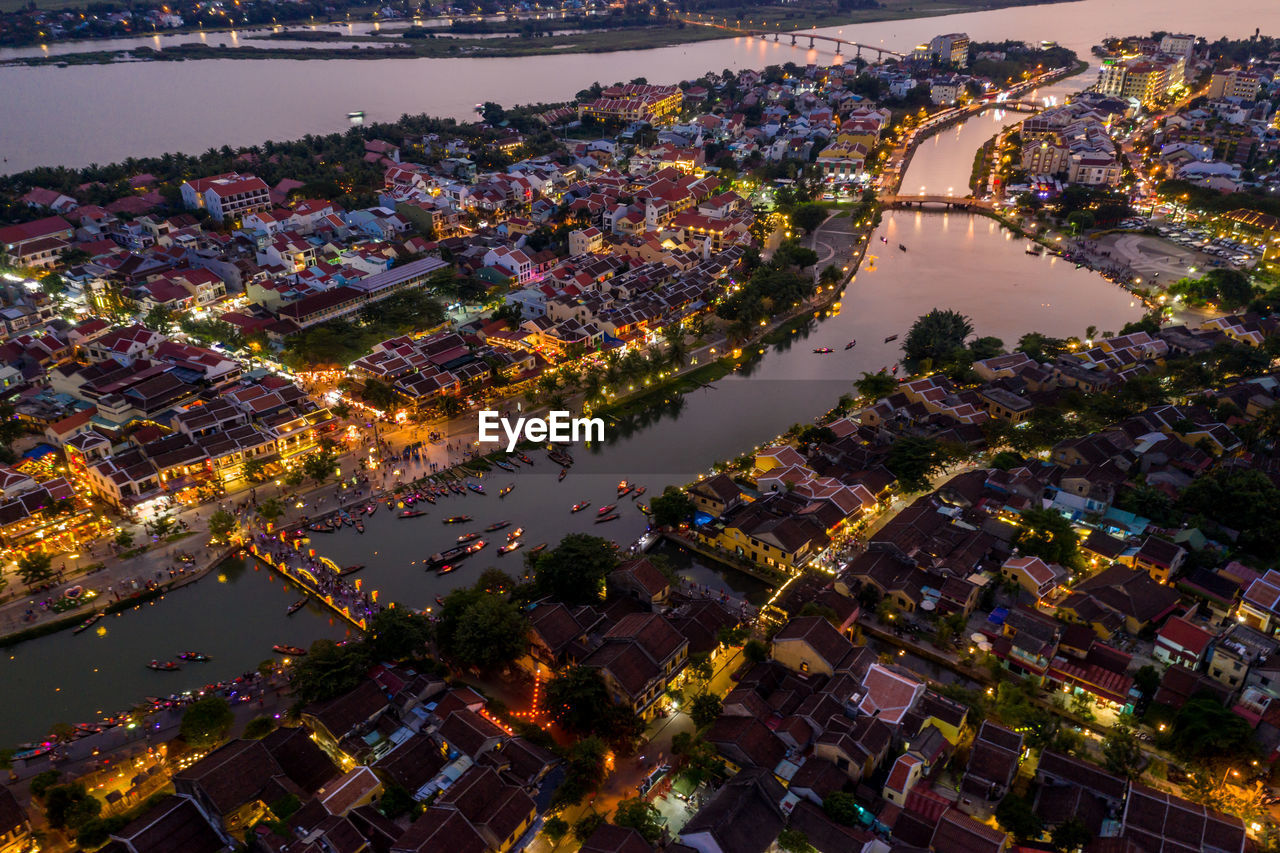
pixel 207 722
pixel 936 336
pixel 1047 534
pixel 574 572
pixel 481 629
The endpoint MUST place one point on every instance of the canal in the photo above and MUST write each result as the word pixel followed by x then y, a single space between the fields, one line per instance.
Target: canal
pixel 953 260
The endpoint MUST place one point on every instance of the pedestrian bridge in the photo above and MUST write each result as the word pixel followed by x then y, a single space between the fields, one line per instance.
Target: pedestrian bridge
pixel 840 43
pixel 947 201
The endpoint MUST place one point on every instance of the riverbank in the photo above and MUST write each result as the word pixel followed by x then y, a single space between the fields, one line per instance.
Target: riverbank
pixel 689 29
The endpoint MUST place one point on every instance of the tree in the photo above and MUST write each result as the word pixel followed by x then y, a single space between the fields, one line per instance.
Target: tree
pixel 70 806
pixel 1204 730
pixel 584 771
pixel 794 841
pixel 259 727
pixel 43 781
pixel 843 808
pixel 480 629
pixel 671 508
pixel 574 572
pixel 642 816
pixel 1147 680
pixel 159 318
pixel 221 524
pixel 319 465
pixel 755 651
pixel 329 670
pixel 35 567
pixel 397 633
pixel 809 217
pixel 986 347
pixel 587 825
pixel 876 385
pixel 1122 752
pixel 255 471
pixel 555 828
pixel 936 336
pixel 1047 534
pixel 704 709
pixel 207 722
pixel 394 802
pixel 271 509
pixel 700 762
pixel 915 460
pixel 1070 836
pixel 1016 817
pixel 580 702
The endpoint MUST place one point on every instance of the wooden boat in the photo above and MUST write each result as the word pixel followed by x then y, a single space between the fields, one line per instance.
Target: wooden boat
pixel 198 657
pixel 624 487
pixel 506 490
pixel 622 493
pixel 296 606
pixel 429 499
pixel 644 509
pixel 850 345
pixel 579 507
pixel 610 517
pixel 824 350
pixel 606 509
pixel 525 458
pixel 497 525
pixel 294 651
pixel 359 526
pixel 448 555
pixel 638 492
pixel 413 513
pixel 88 623
pixel 457 519
pixel 352 569
pixel 515 534
pixel 505 466
pixel 890 338
pixel 564 472
pixel 467 537
pixel 476 487
pixel 320 527
pixel 446 568
pixel 539 548
pixel 475 546
pixel 509 547
pixel 166 666
pixel 371 508
pixel 902 247
pixel 440 600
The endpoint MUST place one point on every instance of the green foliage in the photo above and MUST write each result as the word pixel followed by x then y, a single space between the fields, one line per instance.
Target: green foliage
pixel 258 728
pixel 1228 288
pixel 340 342
pixel 704 709
pixel 221 525
pixel 1070 836
pixel 1204 730
pixel 586 825
pixel 96 831
pixel 70 806
pixel 642 816
pixel 43 781
pixel 842 807
pixel 580 702
pixel 936 336
pixel 329 670
pixel 555 828
pixel 574 572
pixel 812 434
pixel 480 629
pixel 1122 751
pixel 207 722
pixel 286 807
pixel 1047 534
pixel 1016 817
pixel 700 762
pixel 794 841
pixel 1242 499
pixel 395 801
pixel 915 460
pixel 673 507
pixel 755 651
pixel 1041 347
pixel 397 633
pixel 584 771
pixel 35 567
pixel 271 509
pixel 874 386
pixel 809 216
pixel 319 466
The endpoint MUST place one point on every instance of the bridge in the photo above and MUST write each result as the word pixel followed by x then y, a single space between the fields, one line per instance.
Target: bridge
pixel 947 201
pixel 1015 106
pixel 838 42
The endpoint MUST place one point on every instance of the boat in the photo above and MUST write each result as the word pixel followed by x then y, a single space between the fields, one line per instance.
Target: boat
pixel 497 525
pixel 457 519
pixel 506 490
pixel 88 623
pixel 198 657
pixel 283 649
pixel 320 527
pixel 579 507
pixel 824 350
pixel 539 548
pixel 564 472
pixel 446 568
pixel 644 509
pixel 637 493
pixel 352 569
pixel 559 458
pixel 606 509
pixel 166 666
pixel 413 513
pixel 371 508
pixel 515 534
pixel 890 338
pixel 509 547
pixel 1035 249
pixel 525 458
pixel 884 240
pixel 902 247
pixel 850 345
pixel 610 517
pixel 297 605
pixel 505 466
pixel 448 555
pixel 359 526
pixel 476 487
pixel 467 537
pixel 476 546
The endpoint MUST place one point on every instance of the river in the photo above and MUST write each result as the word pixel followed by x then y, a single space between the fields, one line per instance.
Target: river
pixel 101 113
pixel 953 260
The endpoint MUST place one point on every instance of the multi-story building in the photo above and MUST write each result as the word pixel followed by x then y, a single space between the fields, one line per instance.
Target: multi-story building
pixel 228 196
pixel 1235 83
pixel 634 102
pixel 952 47
pixel 1147 79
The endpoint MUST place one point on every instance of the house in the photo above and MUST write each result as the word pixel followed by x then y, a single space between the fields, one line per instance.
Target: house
pixel 903 776
pixel 478 813
pixel 958 833
pixel 1159 821
pixel 1180 641
pixel 1159 558
pixel 609 838
pixel 638 658
pixel 15 828
pixel 716 495
pixel 228 196
pixel 744 816
pixel 811 644
pixel 39 243
pixel 1034 575
pixel 640 579
pixel 993 763
pixel 1071 788
pixel 1119 597
pixel 172 824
